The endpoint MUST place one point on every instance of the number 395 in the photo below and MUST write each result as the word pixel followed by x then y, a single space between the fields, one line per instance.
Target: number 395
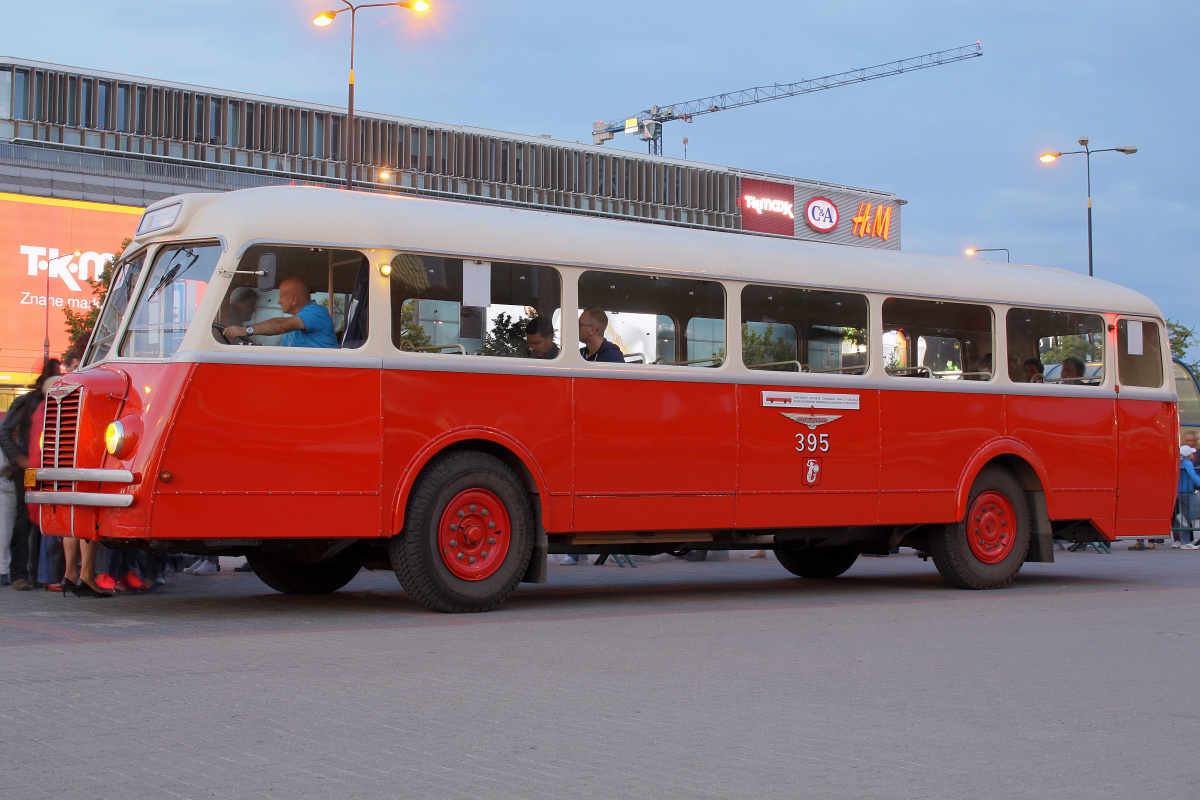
pixel 812 443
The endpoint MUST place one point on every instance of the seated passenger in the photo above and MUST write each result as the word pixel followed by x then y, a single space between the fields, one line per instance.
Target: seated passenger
pixel 593 322
pixel 1034 370
pixel 1072 370
pixel 243 302
pixel 310 325
pixel 539 335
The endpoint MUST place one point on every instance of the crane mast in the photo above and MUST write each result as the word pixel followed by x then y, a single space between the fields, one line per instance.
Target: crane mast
pixel 648 123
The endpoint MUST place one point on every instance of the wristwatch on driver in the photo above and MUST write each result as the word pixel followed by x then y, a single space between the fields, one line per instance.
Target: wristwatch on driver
pixel 250 331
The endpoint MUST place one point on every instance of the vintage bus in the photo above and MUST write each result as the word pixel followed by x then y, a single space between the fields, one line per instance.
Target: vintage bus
pixel 824 401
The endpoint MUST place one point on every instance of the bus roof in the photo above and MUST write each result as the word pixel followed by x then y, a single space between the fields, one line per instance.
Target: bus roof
pixel 331 217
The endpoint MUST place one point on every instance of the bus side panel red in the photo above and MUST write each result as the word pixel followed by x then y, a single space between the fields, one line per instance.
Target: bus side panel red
pixel 654 455
pixel 259 451
pixel 421 406
pixel 1148 475
pixel 807 466
pixel 1076 439
pixel 928 438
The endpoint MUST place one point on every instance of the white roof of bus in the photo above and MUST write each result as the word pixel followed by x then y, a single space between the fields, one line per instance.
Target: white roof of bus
pixel 334 217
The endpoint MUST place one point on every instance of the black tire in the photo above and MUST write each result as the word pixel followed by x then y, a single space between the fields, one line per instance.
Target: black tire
pixel 417 552
pixel 964 563
pixel 322 577
pixel 817 562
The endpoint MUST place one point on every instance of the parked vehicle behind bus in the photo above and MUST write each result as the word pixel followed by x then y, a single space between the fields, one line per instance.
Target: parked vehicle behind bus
pixel 823 401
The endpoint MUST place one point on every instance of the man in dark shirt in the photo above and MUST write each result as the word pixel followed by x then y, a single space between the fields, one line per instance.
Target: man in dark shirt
pixel 593 322
pixel 539 335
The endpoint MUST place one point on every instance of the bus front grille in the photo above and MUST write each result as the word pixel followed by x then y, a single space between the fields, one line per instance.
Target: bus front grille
pixel 62 423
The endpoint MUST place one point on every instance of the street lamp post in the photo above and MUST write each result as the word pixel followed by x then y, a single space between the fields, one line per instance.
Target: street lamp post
pixel 326 18
pixel 973 250
pixel 1087 152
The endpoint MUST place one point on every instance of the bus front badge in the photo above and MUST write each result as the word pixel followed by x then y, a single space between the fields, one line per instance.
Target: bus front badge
pixel 812 472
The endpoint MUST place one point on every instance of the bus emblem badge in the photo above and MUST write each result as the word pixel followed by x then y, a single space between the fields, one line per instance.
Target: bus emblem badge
pixel 812 421
pixel 812 472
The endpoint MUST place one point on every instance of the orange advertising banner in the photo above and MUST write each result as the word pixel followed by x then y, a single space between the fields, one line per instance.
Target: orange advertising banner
pixel 49 250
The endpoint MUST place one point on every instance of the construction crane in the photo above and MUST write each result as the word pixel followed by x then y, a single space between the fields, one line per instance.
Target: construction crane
pixel 648 124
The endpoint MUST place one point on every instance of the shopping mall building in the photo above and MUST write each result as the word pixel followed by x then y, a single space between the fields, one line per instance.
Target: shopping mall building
pixel 82 152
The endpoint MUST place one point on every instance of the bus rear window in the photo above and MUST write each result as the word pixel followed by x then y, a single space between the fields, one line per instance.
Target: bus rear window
pixel 937 339
pixel 448 306
pixel 1063 347
pixel 785 329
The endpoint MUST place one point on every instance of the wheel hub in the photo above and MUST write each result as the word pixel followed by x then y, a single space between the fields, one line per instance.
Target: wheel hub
pixel 474 535
pixel 991 527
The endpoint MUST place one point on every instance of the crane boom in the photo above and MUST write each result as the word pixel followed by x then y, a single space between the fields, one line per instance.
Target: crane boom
pixel 649 122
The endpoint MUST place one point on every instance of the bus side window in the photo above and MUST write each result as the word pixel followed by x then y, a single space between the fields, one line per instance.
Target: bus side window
pixel 449 306
pixel 1139 353
pixel 1057 347
pixel 833 324
pixel 659 320
pixel 937 339
pixel 336 280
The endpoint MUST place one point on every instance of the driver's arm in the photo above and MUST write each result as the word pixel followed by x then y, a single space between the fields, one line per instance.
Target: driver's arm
pixel 268 327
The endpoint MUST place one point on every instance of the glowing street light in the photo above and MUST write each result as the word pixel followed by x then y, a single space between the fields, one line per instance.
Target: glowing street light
pixel 326 18
pixel 1087 152
pixel 973 250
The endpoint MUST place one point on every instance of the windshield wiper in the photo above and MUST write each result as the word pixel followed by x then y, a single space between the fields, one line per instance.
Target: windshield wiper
pixel 174 272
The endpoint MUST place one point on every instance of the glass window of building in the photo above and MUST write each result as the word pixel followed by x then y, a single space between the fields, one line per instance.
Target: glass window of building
pixel 1139 353
pixel 1047 346
pixel 787 329
pixel 6 94
pixel 655 319
pixel 451 306
pixel 937 339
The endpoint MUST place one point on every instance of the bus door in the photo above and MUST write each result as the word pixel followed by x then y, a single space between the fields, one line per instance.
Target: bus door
pixel 1148 461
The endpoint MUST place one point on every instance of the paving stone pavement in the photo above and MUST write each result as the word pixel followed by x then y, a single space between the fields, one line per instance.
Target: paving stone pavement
pixel 720 679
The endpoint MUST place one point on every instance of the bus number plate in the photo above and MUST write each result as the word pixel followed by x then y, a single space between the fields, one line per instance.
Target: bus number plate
pixel 812 442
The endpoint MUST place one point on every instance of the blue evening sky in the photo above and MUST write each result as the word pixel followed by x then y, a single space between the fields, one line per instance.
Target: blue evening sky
pixel 959 142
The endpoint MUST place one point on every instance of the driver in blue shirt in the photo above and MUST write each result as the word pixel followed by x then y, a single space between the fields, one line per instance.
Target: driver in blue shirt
pixel 309 326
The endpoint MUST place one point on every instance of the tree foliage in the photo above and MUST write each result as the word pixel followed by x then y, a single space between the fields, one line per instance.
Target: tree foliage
pixel 766 348
pixel 1182 339
pixel 81 323
pixel 507 338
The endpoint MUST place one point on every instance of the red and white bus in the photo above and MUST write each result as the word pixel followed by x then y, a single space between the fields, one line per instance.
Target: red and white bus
pixel 823 401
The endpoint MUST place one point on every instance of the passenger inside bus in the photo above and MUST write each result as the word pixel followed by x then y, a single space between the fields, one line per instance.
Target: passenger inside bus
pixel 539 335
pixel 1034 370
pixel 593 322
pixel 1072 370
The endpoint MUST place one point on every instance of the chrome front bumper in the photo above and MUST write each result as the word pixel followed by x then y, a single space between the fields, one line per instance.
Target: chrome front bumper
pixel 79 498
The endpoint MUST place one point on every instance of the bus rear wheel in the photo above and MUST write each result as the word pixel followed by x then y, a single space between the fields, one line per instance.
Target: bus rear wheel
pixel 468 534
pixel 817 562
pixel 986 548
pixel 321 577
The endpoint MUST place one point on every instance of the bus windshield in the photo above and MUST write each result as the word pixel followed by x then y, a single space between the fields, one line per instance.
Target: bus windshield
pixel 119 295
pixel 169 300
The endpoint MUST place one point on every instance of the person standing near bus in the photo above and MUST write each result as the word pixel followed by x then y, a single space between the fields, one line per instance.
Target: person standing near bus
pixel 309 326
pixel 539 335
pixel 593 322
pixel 1189 482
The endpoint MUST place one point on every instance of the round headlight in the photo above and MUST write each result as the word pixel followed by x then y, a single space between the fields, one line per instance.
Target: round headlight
pixel 114 438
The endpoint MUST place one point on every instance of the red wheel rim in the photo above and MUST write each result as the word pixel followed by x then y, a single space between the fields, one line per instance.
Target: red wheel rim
pixel 991 527
pixel 474 535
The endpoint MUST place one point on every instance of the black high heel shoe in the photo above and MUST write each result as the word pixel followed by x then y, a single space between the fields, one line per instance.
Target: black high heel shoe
pixel 69 586
pixel 82 589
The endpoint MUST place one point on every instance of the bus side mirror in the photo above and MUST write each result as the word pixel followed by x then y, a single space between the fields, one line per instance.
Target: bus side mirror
pixel 266 272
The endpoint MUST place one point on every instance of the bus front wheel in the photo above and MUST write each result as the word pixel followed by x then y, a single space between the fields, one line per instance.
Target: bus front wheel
pixel 321 577
pixel 468 534
pixel 986 548
pixel 817 562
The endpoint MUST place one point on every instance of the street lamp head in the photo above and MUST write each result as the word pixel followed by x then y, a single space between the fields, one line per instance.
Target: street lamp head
pixel 970 251
pixel 324 18
pixel 418 5
pixel 1083 141
pixel 384 175
pixel 1126 150
pixel 1048 157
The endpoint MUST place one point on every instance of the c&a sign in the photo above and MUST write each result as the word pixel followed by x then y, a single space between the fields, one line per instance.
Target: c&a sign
pixel 768 207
